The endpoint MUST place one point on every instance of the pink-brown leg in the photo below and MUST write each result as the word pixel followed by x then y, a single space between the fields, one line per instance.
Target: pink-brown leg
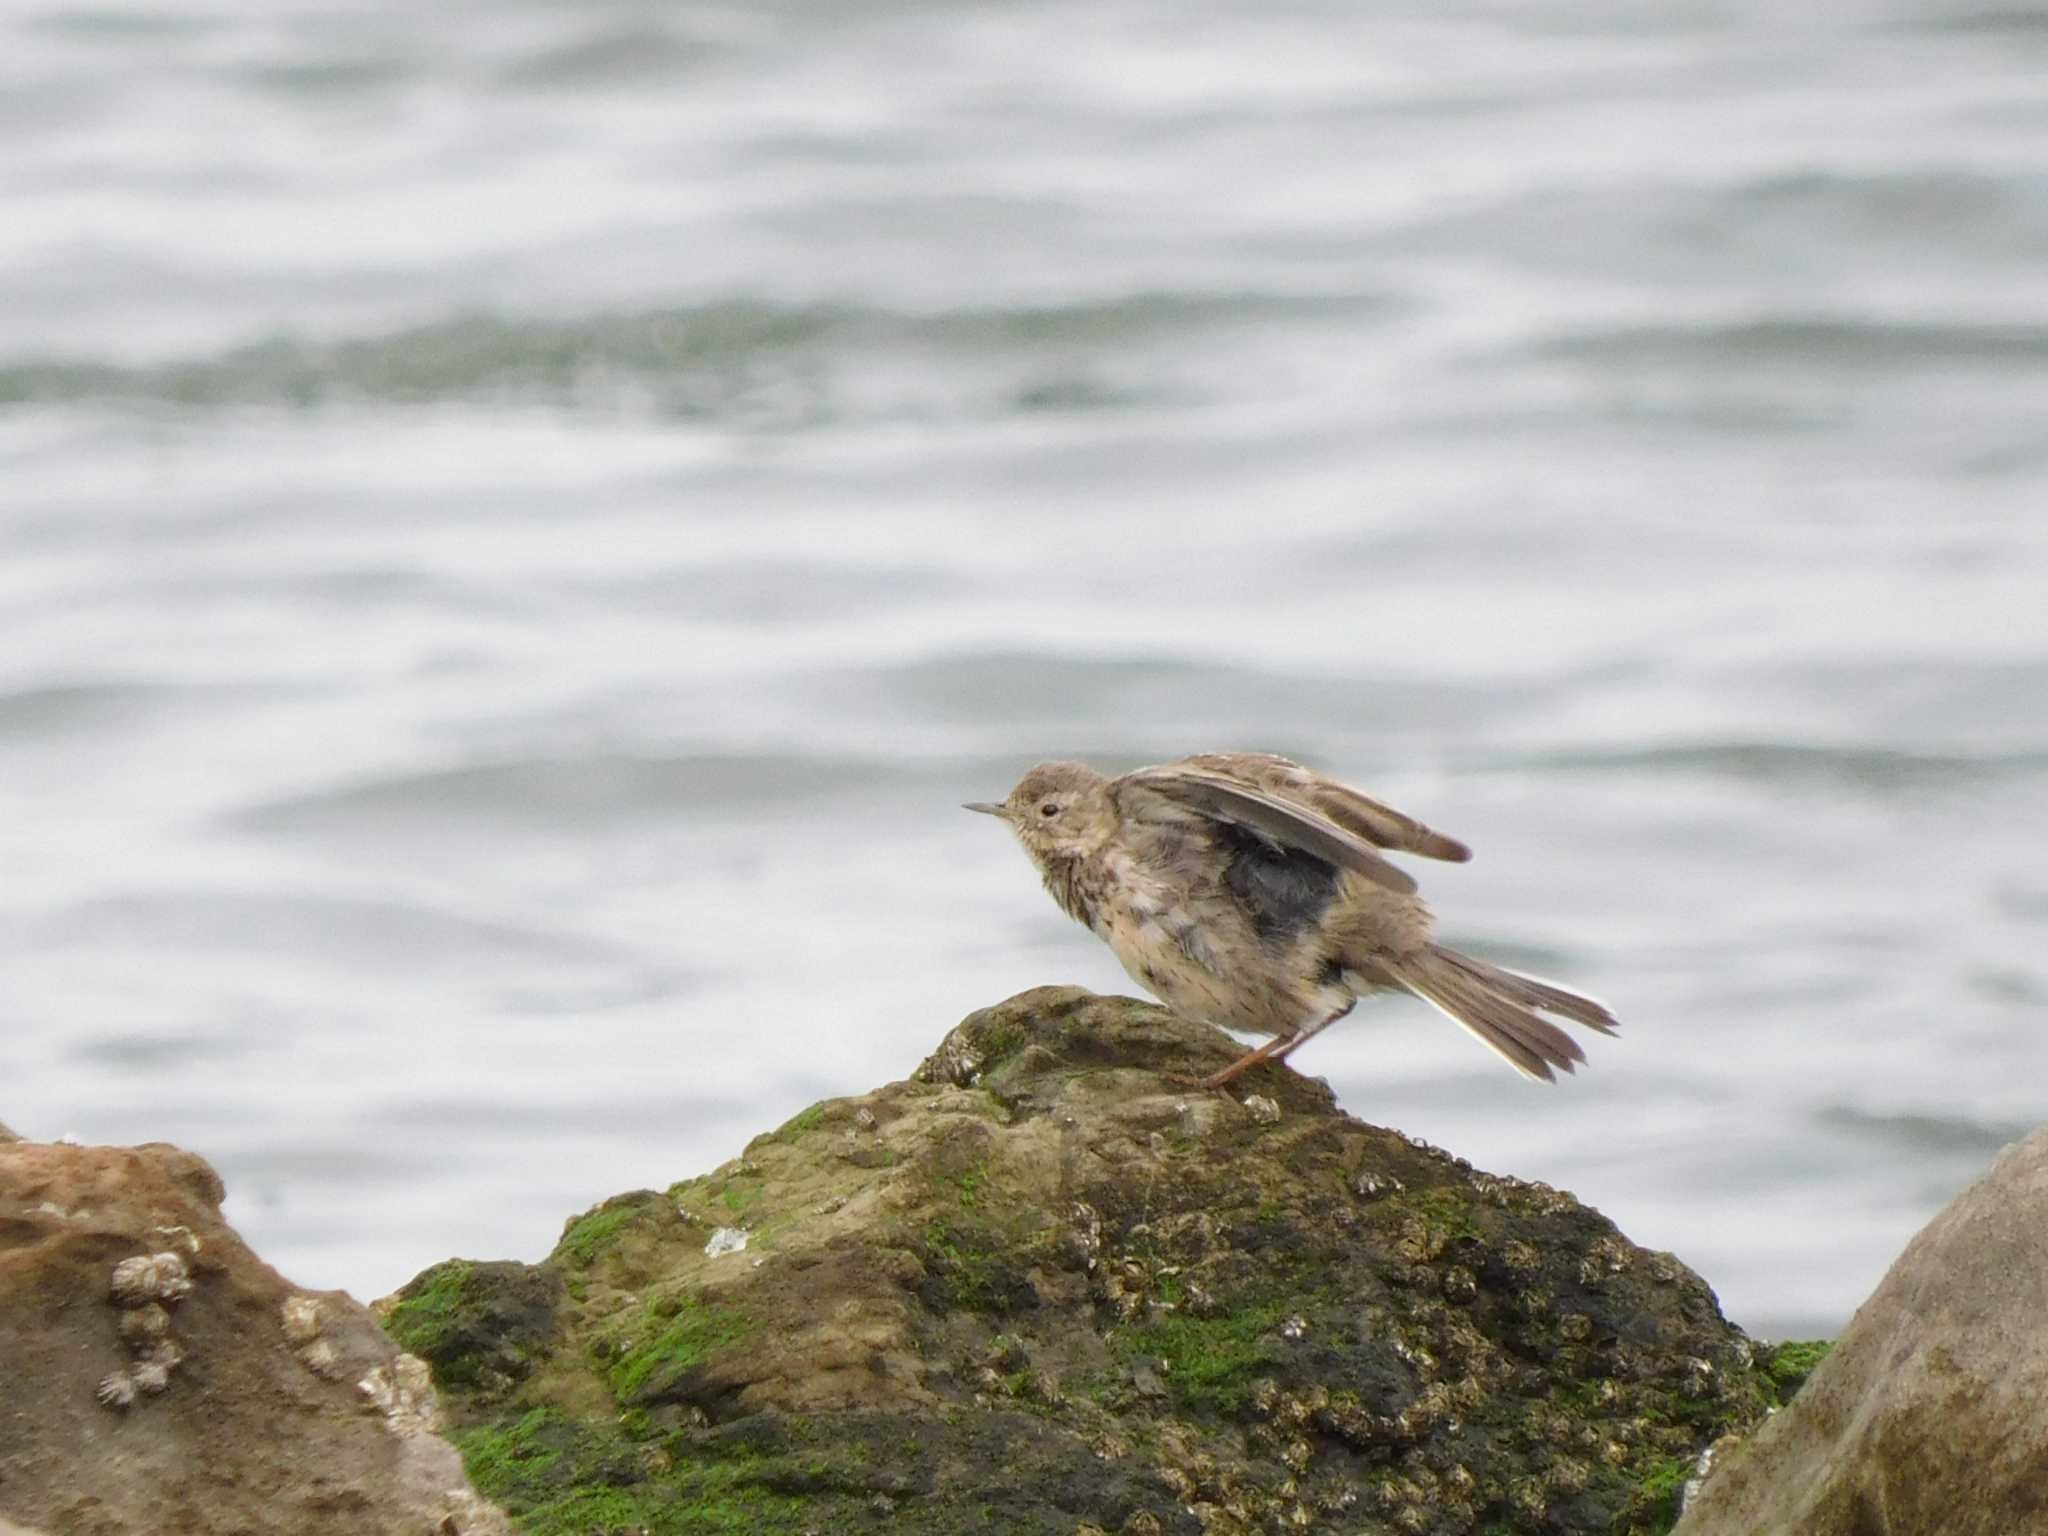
pixel 1239 1067
pixel 1276 1049
pixel 1302 1037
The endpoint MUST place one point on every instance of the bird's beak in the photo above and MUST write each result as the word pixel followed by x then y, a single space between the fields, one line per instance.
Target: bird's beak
pixel 984 807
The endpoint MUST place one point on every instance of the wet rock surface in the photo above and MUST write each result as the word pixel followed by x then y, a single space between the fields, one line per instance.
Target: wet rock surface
pixel 1930 1414
pixel 1038 1287
pixel 160 1378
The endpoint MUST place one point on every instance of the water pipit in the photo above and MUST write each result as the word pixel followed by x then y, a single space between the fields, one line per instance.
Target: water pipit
pixel 1244 890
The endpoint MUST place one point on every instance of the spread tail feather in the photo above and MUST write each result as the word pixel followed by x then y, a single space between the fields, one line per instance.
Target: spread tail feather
pixel 1500 1007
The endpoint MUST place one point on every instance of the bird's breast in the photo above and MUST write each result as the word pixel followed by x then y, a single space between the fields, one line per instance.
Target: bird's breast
pixel 1164 950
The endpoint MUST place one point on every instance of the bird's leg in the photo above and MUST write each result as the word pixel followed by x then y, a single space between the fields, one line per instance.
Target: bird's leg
pixel 1242 1065
pixel 1276 1049
pixel 1302 1037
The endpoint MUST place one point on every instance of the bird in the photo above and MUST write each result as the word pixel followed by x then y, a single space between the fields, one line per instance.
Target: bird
pixel 1244 890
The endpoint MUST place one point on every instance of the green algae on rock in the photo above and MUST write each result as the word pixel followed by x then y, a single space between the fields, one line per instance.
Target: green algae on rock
pixel 1790 1363
pixel 477 1325
pixel 1039 1288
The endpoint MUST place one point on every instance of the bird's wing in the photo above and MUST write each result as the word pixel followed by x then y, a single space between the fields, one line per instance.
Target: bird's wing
pixel 1204 787
pixel 1361 815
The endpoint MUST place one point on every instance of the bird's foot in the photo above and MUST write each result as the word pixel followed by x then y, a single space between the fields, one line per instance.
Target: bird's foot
pixel 1217 1081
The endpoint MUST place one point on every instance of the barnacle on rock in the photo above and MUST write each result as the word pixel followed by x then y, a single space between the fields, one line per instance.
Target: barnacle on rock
pixel 1699 1377
pixel 1110 1446
pixel 173 1281
pixel 1568 1476
pixel 1262 1109
pixel 1517 1254
pixel 1420 1242
pixel 1006 1353
pixel 134 1281
pixel 415 1377
pixel 1370 1186
pixel 152 1277
pixel 153 1370
pixel 321 1358
pixel 1197 1301
pixel 1535 1302
pixel 117 1391
pixel 184 1237
pixel 1085 1236
pixel 403 1392
pixel 300 1317
pixel 142 1326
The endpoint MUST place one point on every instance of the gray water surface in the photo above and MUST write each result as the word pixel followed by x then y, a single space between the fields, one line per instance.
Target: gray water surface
pixel 520 523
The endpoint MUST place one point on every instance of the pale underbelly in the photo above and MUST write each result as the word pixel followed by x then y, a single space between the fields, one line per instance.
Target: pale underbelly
pixel 1256 995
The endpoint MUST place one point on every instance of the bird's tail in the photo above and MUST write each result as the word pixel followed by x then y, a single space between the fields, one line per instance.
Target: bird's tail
pixel 1501 1008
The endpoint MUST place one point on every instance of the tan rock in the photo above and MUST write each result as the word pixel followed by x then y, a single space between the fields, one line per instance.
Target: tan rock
pixel 1930 1416
pixel 152 1385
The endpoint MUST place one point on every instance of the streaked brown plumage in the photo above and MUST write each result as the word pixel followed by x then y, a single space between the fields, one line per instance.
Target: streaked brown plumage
pixel 1244 890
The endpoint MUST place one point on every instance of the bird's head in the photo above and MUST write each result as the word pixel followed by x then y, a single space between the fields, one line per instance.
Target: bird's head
pixel 1057 810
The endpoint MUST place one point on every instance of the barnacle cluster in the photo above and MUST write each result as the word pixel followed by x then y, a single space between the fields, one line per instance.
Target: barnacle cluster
pixel 151 1277
pixel 1371 1186
pixel 403 1392
pixel 303 1327
pixel 145 1287
pixel 1005 1369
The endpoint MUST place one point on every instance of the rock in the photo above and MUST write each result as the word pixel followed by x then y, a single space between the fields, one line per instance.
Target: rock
pixel 1039 1288
pixel 1930 1415
pixel 160 1377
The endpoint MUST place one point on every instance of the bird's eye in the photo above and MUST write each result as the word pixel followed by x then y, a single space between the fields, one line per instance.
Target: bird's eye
pixel 1049 809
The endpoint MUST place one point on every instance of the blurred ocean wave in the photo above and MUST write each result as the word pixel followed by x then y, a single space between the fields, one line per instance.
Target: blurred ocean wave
pixel 1855 345
pixel 1876 770
pixel 763 366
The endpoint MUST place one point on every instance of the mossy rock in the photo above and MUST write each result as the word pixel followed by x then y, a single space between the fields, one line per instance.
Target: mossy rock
pixel 1789 1364
pixel 1038 1287
pixel 479 1325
